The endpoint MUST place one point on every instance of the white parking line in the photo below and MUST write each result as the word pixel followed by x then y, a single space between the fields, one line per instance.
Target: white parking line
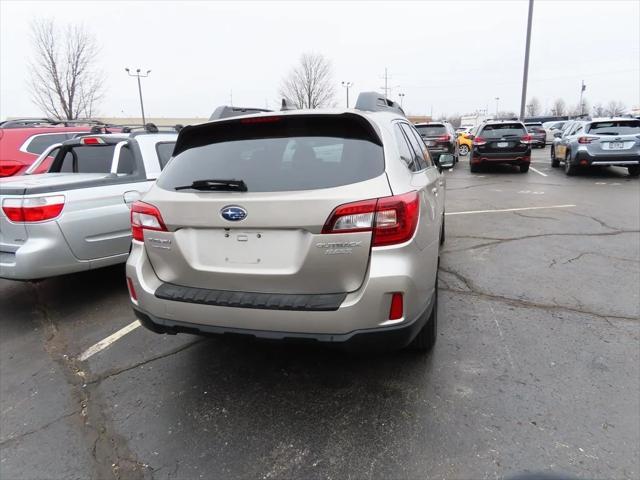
pixel 102 344
pixel 538 172
pixel 508 210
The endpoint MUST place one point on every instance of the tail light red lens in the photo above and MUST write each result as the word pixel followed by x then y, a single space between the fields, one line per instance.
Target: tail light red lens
pixel 9 167
pixel 479 141
pixel 145 216
pixel 444 138
pixel 586 140
pixel 526 139
pixel 92 141
pixel 392 220
pixel 396 311
pixel 33 209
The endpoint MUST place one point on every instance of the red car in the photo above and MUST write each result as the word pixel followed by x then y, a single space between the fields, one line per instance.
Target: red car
pixel 22 141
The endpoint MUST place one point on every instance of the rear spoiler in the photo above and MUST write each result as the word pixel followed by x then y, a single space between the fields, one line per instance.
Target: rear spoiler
pixel 345 125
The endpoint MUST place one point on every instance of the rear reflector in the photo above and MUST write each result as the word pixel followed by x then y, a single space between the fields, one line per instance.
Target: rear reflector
pixel 396 311
pixel 9 167
pixel 92 141
pixel 392 220
pixel 33 209
pixel 145 216
pixel 132 289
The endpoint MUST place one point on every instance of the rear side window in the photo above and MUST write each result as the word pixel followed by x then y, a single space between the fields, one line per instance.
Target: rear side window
pixel 431 130
pixel 164 151
pixel 419 162
pixel 274 154
pixel 39 143
pixel 616 127
pixel 93 159
pixel 406 153
pixel 425 159
pixel 503 130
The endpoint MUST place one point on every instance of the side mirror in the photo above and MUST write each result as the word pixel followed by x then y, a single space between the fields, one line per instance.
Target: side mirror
pixel 446 161
pixel 557 134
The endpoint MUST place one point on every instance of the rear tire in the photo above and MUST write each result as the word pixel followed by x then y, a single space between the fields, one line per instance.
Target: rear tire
pixel 474 168
pixel 463 150
pixel 569 169
pixel 524 168
pixel 555 163
pixel 634 170
pixel 426 338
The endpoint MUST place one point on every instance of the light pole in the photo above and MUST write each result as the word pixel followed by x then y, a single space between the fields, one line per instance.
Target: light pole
pixel 497 100
pixel 401 95
pixel 347 85
pixel 583 87
pixel 138 75
pixel 525 75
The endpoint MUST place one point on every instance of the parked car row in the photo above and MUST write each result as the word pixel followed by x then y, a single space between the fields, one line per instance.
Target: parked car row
pixel 317 225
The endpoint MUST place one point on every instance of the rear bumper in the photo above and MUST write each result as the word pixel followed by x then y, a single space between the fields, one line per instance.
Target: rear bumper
pixel 365 311
pixel 506 157
pixel 44 254
pixel 585 158
pixel 383 338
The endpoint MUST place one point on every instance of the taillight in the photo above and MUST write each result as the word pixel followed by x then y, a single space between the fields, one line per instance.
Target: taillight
pixel 526 139
pixel 392 220
pixel 444 138
pixel 9 168
pixel 479 141
pixel 33 209
pixel 586 140
pixel 145 216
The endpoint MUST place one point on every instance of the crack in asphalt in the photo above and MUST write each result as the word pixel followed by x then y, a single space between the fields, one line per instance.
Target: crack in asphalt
pixel 11 440
pixel 497 241
pixel 477 292
pixel 117 371
pixel 520 214
pixel 597 220
pixel 111 456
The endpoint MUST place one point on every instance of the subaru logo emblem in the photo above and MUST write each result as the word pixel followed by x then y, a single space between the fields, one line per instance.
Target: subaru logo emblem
pixel 233 213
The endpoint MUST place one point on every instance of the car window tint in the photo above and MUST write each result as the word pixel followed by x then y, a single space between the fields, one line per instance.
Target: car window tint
pixel 503 130
pixel 426 156
pixel 418 163
pixel 126 161
pixel 431 130
pixel 39 143
pixel 164 151
pixel 406 153
pixel 616 127
pixel 89 159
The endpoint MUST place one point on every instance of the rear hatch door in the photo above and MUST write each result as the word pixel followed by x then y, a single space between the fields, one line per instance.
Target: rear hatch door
pixel 434 135
pixel 503 138
pixel 268 239
pixel 614 138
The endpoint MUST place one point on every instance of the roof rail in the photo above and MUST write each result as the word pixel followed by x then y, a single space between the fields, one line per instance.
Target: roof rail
pixel 226 111
pixel 151 128
pixel 377 102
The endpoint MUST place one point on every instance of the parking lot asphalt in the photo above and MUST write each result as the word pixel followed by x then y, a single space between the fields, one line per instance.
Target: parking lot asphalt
pixel 536 369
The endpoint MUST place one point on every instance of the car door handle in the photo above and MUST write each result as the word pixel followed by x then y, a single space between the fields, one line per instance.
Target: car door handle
pixel 131 196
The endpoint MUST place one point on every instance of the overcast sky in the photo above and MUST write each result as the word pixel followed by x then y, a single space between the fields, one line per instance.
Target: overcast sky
pixel 453 56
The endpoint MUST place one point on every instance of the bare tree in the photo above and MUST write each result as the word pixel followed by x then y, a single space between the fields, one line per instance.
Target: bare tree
pixel 559 108
pixel 64 81
pixel 578 109
pixel 598 110
pixel 615 109
pixel 533 107
pixel 310 84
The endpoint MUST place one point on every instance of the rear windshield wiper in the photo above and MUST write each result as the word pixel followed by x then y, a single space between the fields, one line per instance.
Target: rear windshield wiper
pixel 216 185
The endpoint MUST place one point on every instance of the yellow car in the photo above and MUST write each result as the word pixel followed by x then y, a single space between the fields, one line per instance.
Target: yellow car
pixel 464 142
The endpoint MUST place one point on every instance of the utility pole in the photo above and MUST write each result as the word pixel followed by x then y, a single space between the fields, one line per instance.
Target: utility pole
pixel 347 86
pixel 386 83
pixel 583 87
pixel 525 75
pixel 401 95
pixel 139 75
pixel 497 100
